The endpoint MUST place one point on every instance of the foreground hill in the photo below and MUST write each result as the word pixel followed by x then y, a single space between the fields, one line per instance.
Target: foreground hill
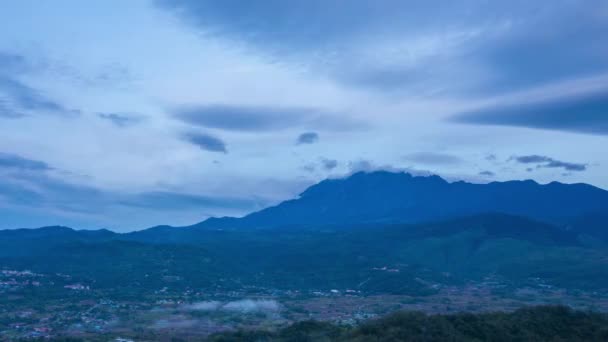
pixel 386 197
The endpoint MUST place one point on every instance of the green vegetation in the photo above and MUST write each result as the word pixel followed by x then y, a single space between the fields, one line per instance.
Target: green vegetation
pixel 373 259
pixel 544 323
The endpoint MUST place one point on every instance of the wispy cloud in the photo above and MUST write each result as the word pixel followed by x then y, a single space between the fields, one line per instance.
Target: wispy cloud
pixel 12 161
pixel 17 98
pixel 26 98
pixel 120 119
pixel 256 118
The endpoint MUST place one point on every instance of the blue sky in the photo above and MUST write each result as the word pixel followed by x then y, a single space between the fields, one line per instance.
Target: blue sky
pixel 127 114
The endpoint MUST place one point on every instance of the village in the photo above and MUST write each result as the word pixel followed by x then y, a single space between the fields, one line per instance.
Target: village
pixel 37 306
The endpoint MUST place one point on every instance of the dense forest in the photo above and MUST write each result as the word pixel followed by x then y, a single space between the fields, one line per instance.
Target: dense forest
pixel 542 323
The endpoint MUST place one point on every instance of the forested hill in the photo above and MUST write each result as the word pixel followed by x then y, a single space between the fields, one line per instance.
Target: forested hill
pixel 545 323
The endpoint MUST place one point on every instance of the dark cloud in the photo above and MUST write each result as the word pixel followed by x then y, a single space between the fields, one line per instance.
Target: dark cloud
pixel 433 158
pixel 532 159
pixel 582 114
pixel 206 142
pixel 556 41
pixel 480 45
pixel 307 138
pixel 566 165
pixel 244 118
pixel 329 164
pixel 292 26
pixel 120 119
pixel 548 162
pixel 487 173
pixel 13 161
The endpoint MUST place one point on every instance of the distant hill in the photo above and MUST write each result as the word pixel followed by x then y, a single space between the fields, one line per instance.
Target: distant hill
pixel 24 242
pixel 386 197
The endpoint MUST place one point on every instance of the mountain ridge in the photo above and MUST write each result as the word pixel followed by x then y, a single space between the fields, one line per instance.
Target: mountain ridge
pixel 389 197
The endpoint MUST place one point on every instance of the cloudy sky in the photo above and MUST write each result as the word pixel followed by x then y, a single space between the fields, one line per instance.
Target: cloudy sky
pixel 127 114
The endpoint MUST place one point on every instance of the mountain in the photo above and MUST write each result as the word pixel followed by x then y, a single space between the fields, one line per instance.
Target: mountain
pixel 375 232
pixel 386 197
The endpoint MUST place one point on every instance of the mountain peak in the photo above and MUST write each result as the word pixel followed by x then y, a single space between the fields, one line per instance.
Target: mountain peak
pixel 400 197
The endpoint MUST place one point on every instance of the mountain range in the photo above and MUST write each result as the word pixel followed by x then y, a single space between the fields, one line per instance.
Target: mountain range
pixel 346 233
pixel 387 197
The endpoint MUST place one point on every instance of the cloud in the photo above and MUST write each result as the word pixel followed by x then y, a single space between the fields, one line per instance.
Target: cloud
pixel 307 138
pixel 548 162
pixel 362 165
pixel 323 164
pixel 12 161
pixel 206 142
pixel 566 165
pixel 12 63
pixel 259 118
pixel 329 164
pixel 413 45
pixel 27 98
pixel 40 197
pixel 487 173
pixel 587 113
pixel 120 119
pixel 168 200
pixel 16 97
pixel 433 158
pixel 532 159
pixel 490 157
pixel 241 306
pixel 7 112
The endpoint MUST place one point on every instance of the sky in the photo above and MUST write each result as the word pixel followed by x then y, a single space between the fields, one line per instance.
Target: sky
pixel 129 114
